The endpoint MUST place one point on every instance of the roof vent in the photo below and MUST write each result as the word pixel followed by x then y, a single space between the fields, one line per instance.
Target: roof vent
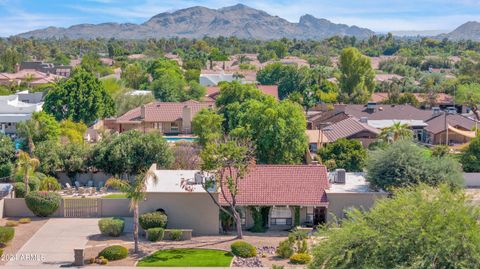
pixel 436 110
pixel 340 176
pixel 371 106
pixel 364 119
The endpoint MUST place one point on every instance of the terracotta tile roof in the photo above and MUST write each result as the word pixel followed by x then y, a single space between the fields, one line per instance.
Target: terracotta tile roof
pixel 436 124
pixel 385 112
pixel 272 90
pixel 302 185
pixel 162 111
pixel 385 77
pixel 347 128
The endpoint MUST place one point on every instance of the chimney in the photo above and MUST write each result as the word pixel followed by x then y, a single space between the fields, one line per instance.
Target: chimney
pixel 142 112
pixel 340 176
pixel 436 110
pixel 364 119
pixel 187 119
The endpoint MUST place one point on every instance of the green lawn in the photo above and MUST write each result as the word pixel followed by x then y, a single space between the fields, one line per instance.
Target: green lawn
pixel 115 195
pixel 187 257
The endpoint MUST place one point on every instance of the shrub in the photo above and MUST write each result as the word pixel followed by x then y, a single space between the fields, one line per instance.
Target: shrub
pixel 153 220
pixel 243 249
pixel 113 253
pixel 285 249
pixel 11 223
pixel 302 246
pixel 6 234
pixel 101 260
pixel 176 235
pixel 34 183
pixel 111 226
pixel 1 252
pixel 300 258
pixel 49 184
pixel 19 188
pixel 24 220
pixel 155 234
pixel 297 235
pixel 43 204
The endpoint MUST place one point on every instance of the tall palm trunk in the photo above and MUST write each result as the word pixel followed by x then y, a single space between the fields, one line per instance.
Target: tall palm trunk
pixel 135 227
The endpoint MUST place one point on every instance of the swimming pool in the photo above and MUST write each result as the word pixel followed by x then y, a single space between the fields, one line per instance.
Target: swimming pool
pixel 179 138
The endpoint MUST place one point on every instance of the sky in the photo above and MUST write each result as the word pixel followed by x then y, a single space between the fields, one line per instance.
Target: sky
pixel 18 16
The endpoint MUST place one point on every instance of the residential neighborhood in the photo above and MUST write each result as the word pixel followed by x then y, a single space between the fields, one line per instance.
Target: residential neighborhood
pixel 256 135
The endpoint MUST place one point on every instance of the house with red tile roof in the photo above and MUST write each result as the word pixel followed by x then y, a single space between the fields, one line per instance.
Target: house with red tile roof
pixel 293 194
pixel 165 117
pixel 28 76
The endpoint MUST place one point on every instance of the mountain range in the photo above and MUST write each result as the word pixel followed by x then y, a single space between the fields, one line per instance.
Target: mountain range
pixel 238 20
pixel 196 22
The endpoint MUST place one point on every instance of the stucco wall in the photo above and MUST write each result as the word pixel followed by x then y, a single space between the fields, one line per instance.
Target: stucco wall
pixel 115 207
pixel 472 180
pixel 16 207
pixel 185 211
pixel 338 202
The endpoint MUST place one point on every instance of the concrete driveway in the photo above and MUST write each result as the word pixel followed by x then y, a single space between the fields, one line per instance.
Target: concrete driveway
pixel 53 244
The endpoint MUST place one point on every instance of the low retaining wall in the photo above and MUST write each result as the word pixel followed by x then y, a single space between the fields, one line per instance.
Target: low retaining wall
pixel 16 207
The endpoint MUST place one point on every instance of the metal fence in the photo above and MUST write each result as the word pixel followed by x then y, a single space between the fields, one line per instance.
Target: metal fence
pixel 81 207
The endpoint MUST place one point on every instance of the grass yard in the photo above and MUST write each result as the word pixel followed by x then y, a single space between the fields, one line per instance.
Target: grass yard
pixel 187 257
pixel 115 195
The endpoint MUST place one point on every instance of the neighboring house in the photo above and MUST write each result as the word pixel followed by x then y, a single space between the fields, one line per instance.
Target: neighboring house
pixel 192 209
pixel 47 68
pixel 348 191
pixel 164 117
pixel 28 76
pixel 13 111
pixel 386 77
pixel 442 100
pixel 214 91
pixel 456 128
pixel 352 128
pixel 288 190
pixel 212 79
pixel 316 138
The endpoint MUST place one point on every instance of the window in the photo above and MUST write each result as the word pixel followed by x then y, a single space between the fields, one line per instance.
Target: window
pixel 174 127
pixel 310 214
pixel 281 216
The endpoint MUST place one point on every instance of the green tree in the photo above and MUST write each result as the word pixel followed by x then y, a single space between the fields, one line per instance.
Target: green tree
pixel 136 193
pixel 231 96
pixel 26 165
pixel 134 75
pixel 276 128
pixel 357 76
pixel 7 155
pixel 470 158
pixel 81 98
pixel 40 127
pixel 469 95
pixel 207 125
pixel 195 91
pixel 130 153
pixel 72 131
pixel 126 102
pixel 396 132
pixel 168 87
pixel 409 230
pixel 404 163
pixel 229 161
pixel 270 74
pixel 348 154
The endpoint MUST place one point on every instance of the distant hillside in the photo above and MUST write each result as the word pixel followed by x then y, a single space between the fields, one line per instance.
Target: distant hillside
pixel 466 31
pixel 195 22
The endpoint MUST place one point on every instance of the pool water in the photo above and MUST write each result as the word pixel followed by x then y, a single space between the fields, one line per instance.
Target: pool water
pixel 178 138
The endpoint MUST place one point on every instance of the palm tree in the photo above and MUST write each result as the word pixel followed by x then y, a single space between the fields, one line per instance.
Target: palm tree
pixel 396 132
pixel 135 192
pixel 27 130
pixel 26 165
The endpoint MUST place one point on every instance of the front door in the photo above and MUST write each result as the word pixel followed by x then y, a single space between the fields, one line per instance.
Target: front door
pixel 319 215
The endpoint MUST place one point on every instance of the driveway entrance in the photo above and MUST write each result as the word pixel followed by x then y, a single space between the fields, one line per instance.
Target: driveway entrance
pixel 53 244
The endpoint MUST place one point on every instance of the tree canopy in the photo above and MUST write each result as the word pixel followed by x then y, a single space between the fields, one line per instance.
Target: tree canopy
pixel 348 154
pixel 81 98
pixel 420 227
pixel 404 163
pixel 357 76
pixel 470 158
pixel 131 152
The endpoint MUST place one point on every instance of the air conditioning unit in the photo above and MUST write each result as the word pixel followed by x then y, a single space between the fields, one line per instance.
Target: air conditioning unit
pixel 340 176
pixel 198 178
